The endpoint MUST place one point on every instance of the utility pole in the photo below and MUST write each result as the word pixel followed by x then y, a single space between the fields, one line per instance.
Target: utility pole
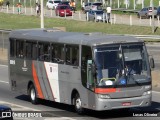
pixel 153 25
pixel 42 15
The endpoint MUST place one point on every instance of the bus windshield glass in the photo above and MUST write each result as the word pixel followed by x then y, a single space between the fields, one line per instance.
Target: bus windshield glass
pixel 121 65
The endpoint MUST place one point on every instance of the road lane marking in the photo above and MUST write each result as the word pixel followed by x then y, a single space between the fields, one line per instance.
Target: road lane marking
pixel 4 82
pixel 3 65
pixel 156 92
pixel 21 106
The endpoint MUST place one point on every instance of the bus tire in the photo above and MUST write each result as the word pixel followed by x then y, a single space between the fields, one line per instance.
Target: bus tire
pixel 33 94
pixel 78 104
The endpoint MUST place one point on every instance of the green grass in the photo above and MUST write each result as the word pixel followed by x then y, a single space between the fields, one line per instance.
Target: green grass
pixel 12 21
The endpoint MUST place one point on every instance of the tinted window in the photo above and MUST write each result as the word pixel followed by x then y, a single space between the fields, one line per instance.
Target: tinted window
pixel 64 7
pixel 99 12
pixel 72 55
pixel 28 50
pixel 58 53
pixel 86 55
pixel 34 51
pixel 12 48
pixel 57 1
pixel 20 49
pixel 97 4
pixel 44 52
pixel 51 2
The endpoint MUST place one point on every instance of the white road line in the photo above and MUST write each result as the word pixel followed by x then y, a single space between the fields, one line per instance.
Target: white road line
pixel 4 82
pixel 156 92
pixel 3 102
pixel 60 118
pixel 3 65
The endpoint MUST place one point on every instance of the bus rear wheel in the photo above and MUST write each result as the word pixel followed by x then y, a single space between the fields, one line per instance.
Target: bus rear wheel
pixel 33 95
pixel 78 104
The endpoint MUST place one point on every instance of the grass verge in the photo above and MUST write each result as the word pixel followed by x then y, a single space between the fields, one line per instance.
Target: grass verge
pixel 12 21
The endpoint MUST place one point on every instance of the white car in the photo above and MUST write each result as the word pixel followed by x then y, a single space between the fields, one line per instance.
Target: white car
pixel 52 4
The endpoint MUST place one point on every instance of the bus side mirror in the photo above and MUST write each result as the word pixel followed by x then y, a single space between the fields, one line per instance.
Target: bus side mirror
pixel 152 65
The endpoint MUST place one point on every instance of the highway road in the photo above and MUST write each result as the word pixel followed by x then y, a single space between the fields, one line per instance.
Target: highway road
pixel 154 50
pixel 19 102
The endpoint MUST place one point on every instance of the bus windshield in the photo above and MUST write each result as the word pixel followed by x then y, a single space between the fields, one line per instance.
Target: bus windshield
pixel 121 65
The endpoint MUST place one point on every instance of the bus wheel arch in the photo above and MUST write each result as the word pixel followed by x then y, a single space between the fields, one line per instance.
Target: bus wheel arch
pixel 32 93
pixel 76 101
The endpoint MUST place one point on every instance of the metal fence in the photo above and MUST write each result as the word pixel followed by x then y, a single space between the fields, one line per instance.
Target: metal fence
pixel 115 18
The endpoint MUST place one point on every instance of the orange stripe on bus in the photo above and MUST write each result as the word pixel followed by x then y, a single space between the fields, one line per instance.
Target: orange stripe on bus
pixel 36 81
pixel 105 90
pixel 48 81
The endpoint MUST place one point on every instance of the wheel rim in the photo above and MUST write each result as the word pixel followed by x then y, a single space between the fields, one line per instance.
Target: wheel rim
pixel 78 103
pixel 33 94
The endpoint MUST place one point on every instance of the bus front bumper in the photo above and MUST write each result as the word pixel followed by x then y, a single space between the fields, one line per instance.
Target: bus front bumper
pixel 108 104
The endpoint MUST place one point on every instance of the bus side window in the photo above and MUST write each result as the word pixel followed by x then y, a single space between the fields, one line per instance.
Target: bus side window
pixel 12 47
pixel 58 53
pixel 44 52
pixel 20 49
pixel 28 50
pixel 72 55
pixel 34 51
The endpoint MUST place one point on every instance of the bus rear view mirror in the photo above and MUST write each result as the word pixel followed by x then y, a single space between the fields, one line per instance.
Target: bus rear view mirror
pixel 152 65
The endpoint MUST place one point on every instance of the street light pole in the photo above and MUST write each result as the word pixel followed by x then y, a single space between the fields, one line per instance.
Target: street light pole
pixel 42 15
pixel 152 16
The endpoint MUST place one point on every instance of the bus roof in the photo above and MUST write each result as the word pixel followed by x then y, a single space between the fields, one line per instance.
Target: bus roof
pixel 55 35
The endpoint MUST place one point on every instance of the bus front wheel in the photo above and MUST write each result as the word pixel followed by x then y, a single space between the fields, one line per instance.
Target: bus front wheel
pixel 78 104
pixel 32 94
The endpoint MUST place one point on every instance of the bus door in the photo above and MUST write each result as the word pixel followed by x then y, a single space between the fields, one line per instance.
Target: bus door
pixel 43 70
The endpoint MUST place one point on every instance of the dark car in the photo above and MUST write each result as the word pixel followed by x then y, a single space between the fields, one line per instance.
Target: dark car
pixel 63 10
pixel 147 12
pixel 158 12
pixel 5 113
pixel 93 6
pixel 66 3
pixel 97 15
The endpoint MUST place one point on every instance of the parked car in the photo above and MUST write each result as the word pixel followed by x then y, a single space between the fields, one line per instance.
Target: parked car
pixel 158 12
pixel 63 10
pixel 5 113
pixel 99 15
pixel 93 6
pixel 66 3
pixel 147 12
pixel 52 4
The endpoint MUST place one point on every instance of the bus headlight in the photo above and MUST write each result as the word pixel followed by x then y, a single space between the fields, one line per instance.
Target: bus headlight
pixel 103 96
pixel 147 93
pixel 147 87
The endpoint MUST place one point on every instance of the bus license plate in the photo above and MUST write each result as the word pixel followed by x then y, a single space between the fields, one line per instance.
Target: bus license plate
pixel 126 104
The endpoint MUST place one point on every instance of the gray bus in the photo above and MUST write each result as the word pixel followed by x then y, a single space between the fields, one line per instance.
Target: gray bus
pixel 88 70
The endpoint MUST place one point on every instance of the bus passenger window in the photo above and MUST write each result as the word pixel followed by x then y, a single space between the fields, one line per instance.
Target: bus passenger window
pixel 34 51
pixel 72 55
pixel 20 49
pixel 28 50
pixel 12 47
pixel 44 52
pixel 58 53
